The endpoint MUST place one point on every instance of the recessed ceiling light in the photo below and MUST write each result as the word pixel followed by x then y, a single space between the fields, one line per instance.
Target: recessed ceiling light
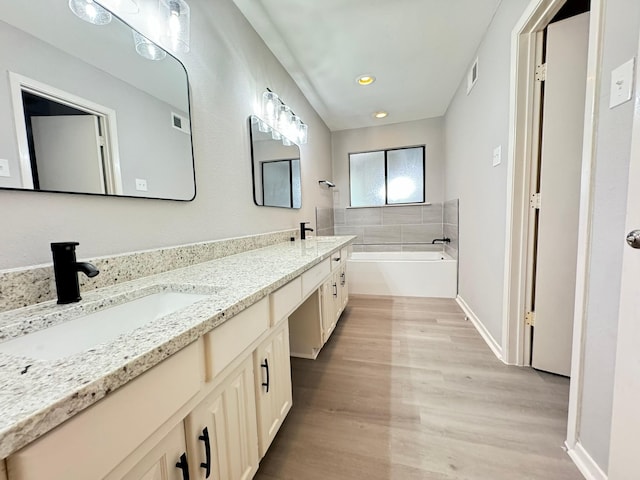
pixel 365 79
pixel 380 114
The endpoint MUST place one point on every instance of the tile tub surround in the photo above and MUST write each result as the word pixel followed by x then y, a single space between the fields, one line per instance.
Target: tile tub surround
pixel 392 228
pixel 36 399
pixel 451 226
pixel 27 286
pixel 324 221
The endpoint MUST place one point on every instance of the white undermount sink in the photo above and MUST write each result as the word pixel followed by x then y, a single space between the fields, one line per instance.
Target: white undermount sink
pixel 105 325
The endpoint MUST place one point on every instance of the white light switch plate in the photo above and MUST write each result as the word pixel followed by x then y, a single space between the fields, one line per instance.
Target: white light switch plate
pixel 621 84
pixel 497 155
pixel 141 184
pixel 4 168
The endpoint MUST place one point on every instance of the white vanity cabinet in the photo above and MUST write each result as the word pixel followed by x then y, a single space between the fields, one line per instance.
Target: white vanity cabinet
pixel 222 431
pixel 91 444
pixel 273 384
pixel 160 462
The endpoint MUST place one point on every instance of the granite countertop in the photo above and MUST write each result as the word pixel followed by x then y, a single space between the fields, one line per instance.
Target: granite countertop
pixel 38 395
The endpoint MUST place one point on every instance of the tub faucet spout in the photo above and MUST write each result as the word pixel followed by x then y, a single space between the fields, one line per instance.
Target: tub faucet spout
pixel 66 268
pixel 440 240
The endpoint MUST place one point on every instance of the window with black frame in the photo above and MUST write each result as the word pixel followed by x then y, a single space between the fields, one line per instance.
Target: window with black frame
pixel 387 177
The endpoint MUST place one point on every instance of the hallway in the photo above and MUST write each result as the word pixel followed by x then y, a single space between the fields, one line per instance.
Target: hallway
pixel 407 389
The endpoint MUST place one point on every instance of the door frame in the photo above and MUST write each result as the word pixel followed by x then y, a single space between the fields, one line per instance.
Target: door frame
pixel 19 83
pixel 523 145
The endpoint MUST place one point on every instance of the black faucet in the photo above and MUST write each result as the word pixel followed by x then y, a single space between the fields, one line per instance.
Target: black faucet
pixel 66 270
pixel 440 240
pixel 304 229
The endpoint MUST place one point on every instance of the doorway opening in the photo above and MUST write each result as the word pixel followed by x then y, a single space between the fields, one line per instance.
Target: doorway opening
pixel 525 147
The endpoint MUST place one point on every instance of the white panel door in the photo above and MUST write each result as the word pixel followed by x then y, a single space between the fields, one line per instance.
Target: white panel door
pixel 562 132
pixel 625 424
pixel 68 153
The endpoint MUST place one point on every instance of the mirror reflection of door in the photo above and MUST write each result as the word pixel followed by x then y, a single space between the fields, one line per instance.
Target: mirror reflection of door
pixel 281 183
pixel 66 146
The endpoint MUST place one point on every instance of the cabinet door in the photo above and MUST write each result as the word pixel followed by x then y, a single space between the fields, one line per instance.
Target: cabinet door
pixel 160 462
pixel 273 384
pixel 328 309
pixel 222 432
pixel 344 287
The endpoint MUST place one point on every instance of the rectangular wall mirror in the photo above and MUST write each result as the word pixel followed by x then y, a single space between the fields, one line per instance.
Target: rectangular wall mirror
pixel 276 170
pixel 82 112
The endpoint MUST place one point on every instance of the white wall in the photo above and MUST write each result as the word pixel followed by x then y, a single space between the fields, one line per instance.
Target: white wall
pixel 229 67
pixel 621 30
pixel 474 125
pixel 428 132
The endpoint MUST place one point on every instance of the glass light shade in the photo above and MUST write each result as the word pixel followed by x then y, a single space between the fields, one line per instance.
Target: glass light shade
pixel 270 104
pixel 286 142
pixel 276 135
pixel 284 119
pixel 147 49
pixel 176 17
pixel 303 134
pixel 89 11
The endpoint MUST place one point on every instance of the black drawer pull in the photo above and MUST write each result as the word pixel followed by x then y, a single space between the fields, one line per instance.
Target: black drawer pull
pixel 335 290
pixel 207 451
pixel 184 466
pixel 265 365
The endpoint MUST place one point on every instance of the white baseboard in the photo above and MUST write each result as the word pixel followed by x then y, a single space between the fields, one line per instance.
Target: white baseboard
pixel 495 347
pixel 587 466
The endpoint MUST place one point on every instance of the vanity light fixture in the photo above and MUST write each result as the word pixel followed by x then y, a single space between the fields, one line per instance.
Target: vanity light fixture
pixel 146 48
pixel 380 114
pixel 281 121
pixel 365 80
pixel 176 17
pixel 91 12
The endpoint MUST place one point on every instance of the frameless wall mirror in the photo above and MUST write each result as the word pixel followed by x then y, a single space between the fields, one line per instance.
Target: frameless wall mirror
pixel 82 112
pixel 276 170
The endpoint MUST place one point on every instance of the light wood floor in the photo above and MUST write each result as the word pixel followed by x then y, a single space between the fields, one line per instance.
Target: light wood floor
pixel 407 389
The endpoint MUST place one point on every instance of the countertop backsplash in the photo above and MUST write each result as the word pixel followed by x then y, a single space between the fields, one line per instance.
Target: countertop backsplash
pixel 30 285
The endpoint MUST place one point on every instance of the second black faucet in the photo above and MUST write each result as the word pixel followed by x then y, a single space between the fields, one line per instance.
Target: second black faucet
pixel 304 229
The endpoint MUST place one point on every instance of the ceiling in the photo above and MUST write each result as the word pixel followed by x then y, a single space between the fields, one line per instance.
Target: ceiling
pixel 418 50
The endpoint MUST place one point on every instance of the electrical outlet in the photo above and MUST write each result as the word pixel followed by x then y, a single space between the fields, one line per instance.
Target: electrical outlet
pixel 141 184
pixel 497 155
pixel 4 168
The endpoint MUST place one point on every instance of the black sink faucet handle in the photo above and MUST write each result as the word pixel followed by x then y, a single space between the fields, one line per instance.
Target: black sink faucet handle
pixel 304 229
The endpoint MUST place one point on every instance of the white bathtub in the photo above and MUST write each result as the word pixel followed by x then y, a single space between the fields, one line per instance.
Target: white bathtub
pixel 407 274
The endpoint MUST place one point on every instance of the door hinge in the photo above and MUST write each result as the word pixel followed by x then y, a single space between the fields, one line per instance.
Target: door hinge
pixel 541 72
pixel 101 141
pixel 530 319
pixel 536 200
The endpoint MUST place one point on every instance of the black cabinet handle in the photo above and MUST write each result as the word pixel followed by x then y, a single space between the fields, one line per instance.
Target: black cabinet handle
pixel 336 259
pixel 265 365
pixel 343 276
pixel 207 451
pixel 335 290
pixel 184 466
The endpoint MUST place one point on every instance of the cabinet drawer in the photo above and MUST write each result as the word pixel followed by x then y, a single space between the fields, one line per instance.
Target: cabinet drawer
pixel 336 259
pixel 312 278
pixel 225 343
pixel 285 299
pixel 93 442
